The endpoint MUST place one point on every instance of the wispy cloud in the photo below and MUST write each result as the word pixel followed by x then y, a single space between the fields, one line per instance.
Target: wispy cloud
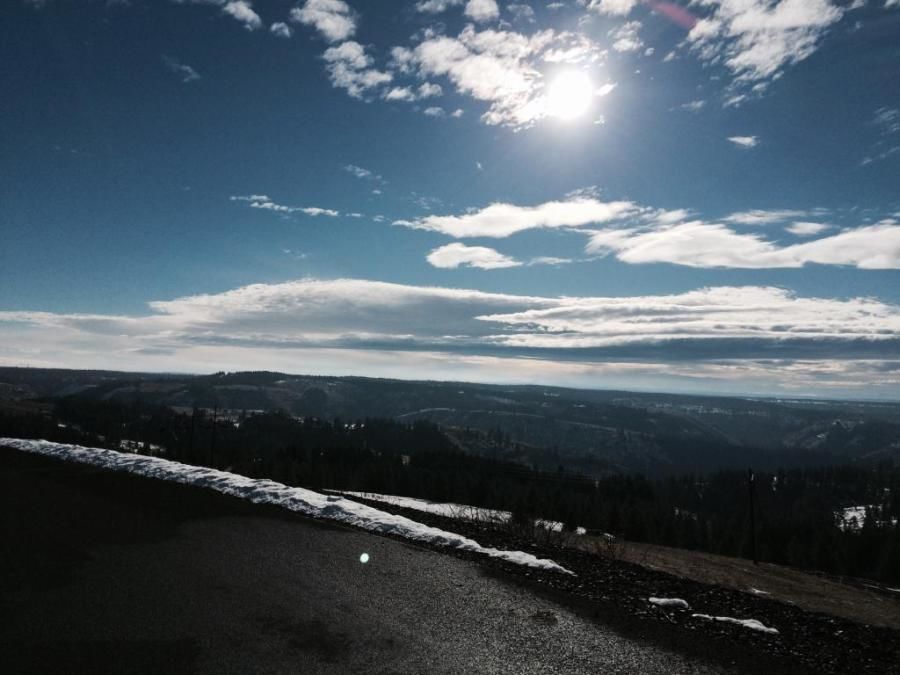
pixel 764 216
pixel 264 203
pixel 693 106
pixel 887 122
pixel 745 142
pixel 365 174
pixel 184 71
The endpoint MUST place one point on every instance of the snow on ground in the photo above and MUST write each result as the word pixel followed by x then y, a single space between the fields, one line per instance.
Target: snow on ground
pixel 446 509
pixel 135 446
pixel 752 624
pixel 264 491
pixel 451 510
pixel 853 518
pixel 669 602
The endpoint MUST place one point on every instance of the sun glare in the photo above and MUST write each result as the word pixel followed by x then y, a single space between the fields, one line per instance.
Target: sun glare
pixel 569 95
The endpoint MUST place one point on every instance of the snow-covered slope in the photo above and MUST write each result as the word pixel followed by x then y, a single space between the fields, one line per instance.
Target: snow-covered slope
pixel 300 500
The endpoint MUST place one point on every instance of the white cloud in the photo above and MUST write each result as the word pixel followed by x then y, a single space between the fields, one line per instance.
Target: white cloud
pixel 610 7
pixel 243 12
pixel 399 94
pixel 281 29
pixel 502 220
pixel 184 71
pixel 428 90
pixel 434 111
pixel 454 255
pixel 807 229
pixel 498 67
pixel 482 10
pixel 700 244
pixel 693 106
pixel 264 203
pixel 361 172
pixel 606 89
pixel 764 216
pixel 436 6
pixel 757 39
pixel 240 10
pixel 548 260
pixel 746 312
pixel 523 12
pixel 332 18
pixel 348 67
pixel 316 211
pixel 888 119
pixel 424 90
pixel 744 141
pixel 734 336
pixel 626 37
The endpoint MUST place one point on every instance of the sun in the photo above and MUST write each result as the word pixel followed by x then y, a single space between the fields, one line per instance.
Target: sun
pixel 569 95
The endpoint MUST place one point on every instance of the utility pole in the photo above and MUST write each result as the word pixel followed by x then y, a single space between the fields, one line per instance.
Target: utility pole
pixel 751 484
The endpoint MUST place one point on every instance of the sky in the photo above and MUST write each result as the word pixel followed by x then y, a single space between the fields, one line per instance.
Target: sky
pixel 669 196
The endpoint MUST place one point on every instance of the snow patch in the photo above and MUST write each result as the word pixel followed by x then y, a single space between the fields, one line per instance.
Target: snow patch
pixel 752 624
pixel 264 491
pixel 670 602
pixel 451 510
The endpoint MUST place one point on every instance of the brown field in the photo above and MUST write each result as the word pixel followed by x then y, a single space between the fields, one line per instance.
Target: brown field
pixel 854 599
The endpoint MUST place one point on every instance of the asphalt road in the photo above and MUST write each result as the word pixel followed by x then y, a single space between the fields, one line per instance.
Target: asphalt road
pixel 112 573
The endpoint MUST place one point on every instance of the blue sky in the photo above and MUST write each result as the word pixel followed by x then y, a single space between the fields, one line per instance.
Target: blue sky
pixel 603 193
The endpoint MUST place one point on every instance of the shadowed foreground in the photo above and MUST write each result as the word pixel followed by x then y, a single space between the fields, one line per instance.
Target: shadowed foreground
pixel 114 573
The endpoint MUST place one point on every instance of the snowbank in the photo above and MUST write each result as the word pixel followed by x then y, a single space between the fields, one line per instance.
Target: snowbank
pixel 752 624
pixel 669 602
pixel 300 500
pixel 446 509
pixel 451 510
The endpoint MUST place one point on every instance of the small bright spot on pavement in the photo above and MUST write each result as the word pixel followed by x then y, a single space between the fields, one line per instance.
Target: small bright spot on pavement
pixel 364 558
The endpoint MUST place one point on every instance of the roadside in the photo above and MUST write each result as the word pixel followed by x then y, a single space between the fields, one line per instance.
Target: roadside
pixel 853 599
pixel 810 640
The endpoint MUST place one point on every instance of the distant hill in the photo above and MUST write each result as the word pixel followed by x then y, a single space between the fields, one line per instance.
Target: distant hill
pixel 590 431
